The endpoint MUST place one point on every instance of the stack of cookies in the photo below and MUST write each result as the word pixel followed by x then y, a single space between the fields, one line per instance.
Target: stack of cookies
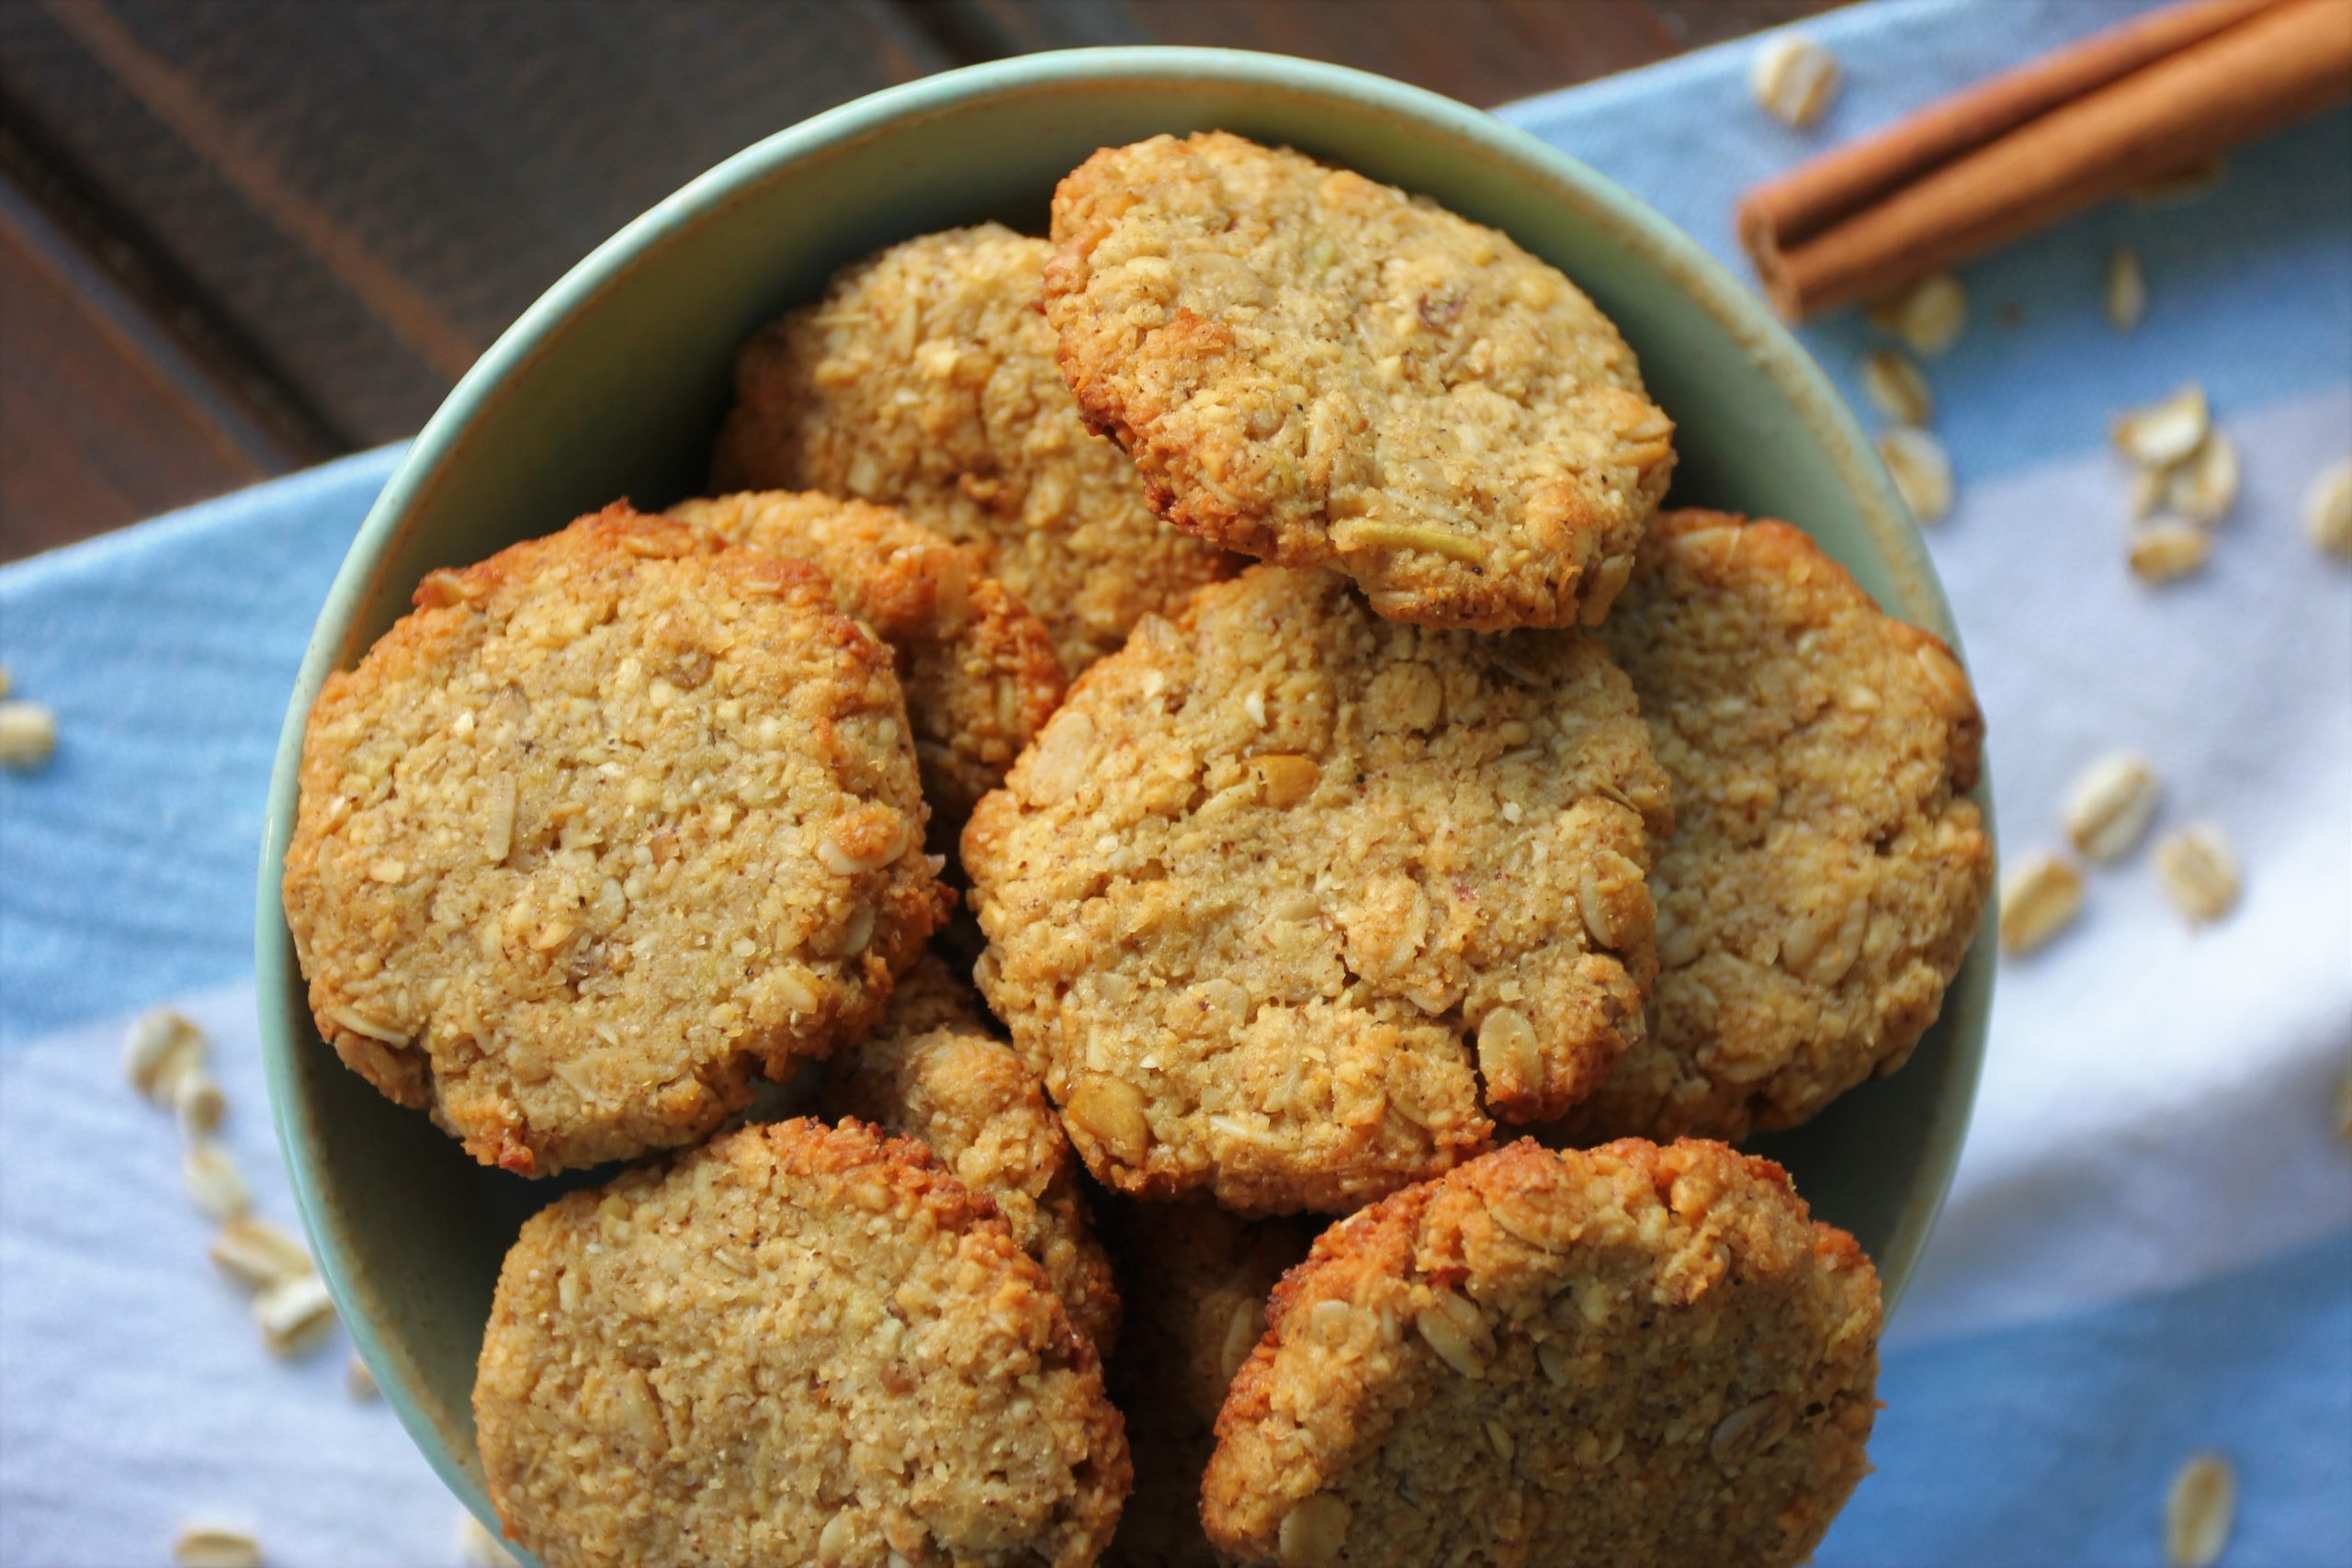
pixel 1458 880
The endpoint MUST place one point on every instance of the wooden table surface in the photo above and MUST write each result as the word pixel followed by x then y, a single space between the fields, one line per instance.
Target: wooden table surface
pixel 241 236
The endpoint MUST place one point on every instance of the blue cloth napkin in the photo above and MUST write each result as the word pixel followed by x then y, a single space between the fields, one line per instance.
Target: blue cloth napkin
pixel 2148 1253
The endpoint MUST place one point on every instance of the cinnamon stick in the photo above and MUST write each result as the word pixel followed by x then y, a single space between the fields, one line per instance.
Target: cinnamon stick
pixel 2011 154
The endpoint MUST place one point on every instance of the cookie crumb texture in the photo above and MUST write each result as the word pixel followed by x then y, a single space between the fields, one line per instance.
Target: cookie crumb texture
pixel 933 1073
pixel 925 379
pixel 978 670
pixel 1624 1356
pixel 797 1344
pixel 612 820
pixel 1828 870
pixel 1320 370
pixel 1288 900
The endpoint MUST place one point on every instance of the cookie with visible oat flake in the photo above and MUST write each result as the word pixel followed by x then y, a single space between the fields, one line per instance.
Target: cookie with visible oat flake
pixel 1828 869
pixel 1288 903
pixel 935 1073
pixel 797 1344
pixel 1323 371
pixel 1631 1357
pixel 925 379
pixel 978 670
pixel 612 821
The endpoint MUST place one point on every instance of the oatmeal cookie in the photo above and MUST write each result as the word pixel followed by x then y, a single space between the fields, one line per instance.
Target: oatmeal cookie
pixel 1198 1277
pixel 978 670
pixel 933 1073
pixel 1828 869
pixel 613 819
pixel 1629 1356
pixel 797 1344
pixel 1320 370
pixel 925 379
pixel 1274 903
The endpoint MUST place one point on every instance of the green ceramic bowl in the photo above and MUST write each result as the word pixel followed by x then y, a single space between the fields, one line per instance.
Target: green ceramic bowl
pixel 613 384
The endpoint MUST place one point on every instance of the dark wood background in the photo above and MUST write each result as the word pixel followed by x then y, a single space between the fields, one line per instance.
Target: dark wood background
pixel 241 236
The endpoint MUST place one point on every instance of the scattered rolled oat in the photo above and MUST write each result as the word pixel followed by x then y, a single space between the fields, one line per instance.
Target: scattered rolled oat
pixel 2162 435
pixel 2039 899
pixel 214 1181
pixel 160 1048
pixel 481 1549
pixel 1929 315
pixel 2148 486
pixel 2204 485
pixel 2327 510
pixel 2112 804
pixel 215 1546
pixel 2198 1510
pixel 198 1102
pixel 2199 872
pixel 294 1314
pixel 2163 552
pixel 1921 470
pixel 258 1255
pixel 2343 1107
pixel 2127 289
pixel 1794 79
pixel 362 1383
pixel 27 734
pixel 1898 388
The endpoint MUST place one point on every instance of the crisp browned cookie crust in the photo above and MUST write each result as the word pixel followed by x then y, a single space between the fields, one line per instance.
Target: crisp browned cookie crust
pixel 797 1344
pixel 1199 1278
pixel 614 820
pixel 978 670
pixel 1320 370
pixel 1289 902
pixel 925 379
pixel 1629 1356
pixel 935 1073
pixel 1826 870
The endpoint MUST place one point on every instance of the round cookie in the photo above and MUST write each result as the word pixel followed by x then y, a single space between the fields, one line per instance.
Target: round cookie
pixel 933 1073
pixel 980 672
pixel 1198 1279
pixel 613 819
pixel 1320 370
pixel 1826 868
pixel 924 378
pixel 797 1344
pixel 1631 1355
pixel 1274 902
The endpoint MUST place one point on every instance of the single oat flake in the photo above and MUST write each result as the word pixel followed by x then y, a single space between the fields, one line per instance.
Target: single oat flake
pixel 2039 899
pixel 2127 289
pixel 160 1048
pixel 1921 471
pixel 2199 1511
pixel 256 1254
pixel 2328 512
pixel 2166 552
pixel 27 734
pixel 1896 384
pixel 2112 805
pixel 214 1181
pixel 1929 315
pixel 215 1546
pixel 2166 432
pixel 294 1314
pixel 2204 485
pixel 2199 872
pixel 1794 79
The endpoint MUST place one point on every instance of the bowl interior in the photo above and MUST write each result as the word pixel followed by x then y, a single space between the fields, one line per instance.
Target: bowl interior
pixel 613 383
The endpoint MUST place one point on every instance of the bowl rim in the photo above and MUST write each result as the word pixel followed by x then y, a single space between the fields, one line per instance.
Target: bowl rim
pixel 1784 362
